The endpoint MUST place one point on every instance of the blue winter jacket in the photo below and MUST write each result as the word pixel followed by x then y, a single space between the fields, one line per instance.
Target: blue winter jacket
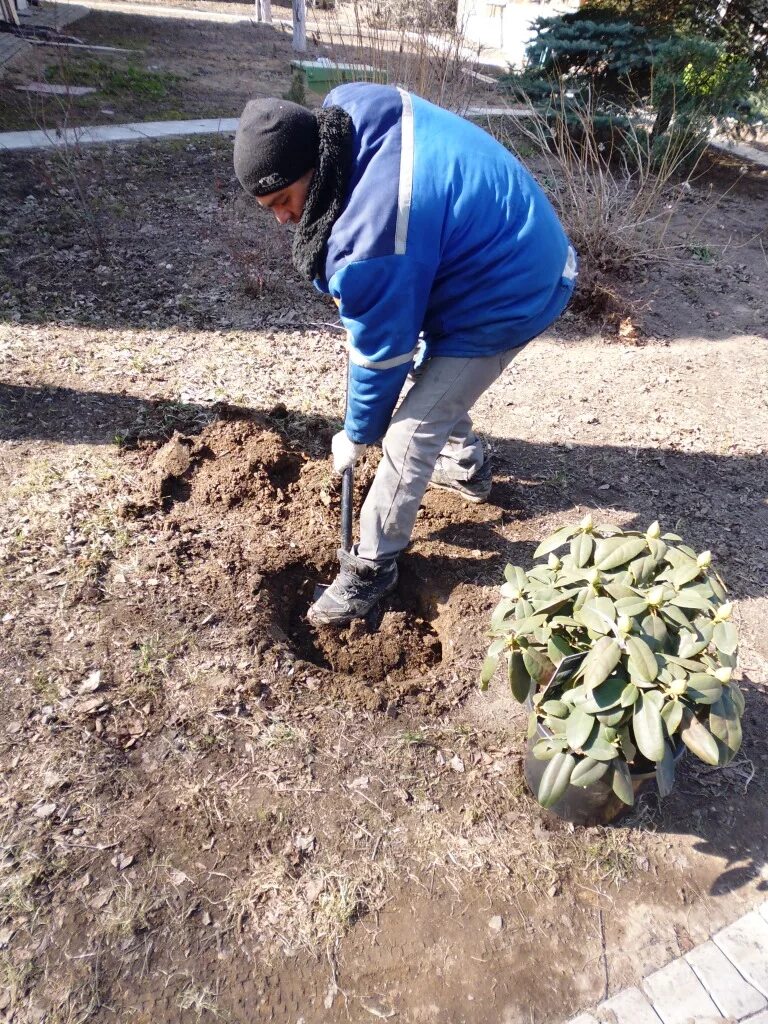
pixel 444 232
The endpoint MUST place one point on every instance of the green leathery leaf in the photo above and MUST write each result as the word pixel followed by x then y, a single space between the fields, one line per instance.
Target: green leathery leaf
pixel 655 697
pixel 524 627
pixel 581 549
pixel 605 696
pixel 692 642
pixel 598 748
pixel 687 664
pixel 523 610
pixel 503 612
pixel 642 662
pixel 704 688
pixel 555 708
pixel 648 729
pixel 725 637
pixel 545 750
pixel 558 648
pixel 674 614
pixel 555 604
pixel 686 573
pixel 538 665
pixel 657 547
pixel 541 595
pixel 643 569
pixel 588 771
pixel 629 695
pixel 621 782
pixel 555 540
pixel 677 557
pixel 615 551
pixel 737 696
pixel 575 696
pixel 555 779
pixel 497 646
pixel 689 598
pixel 600 662
pixel 672 715
pixel 724 722
pixel 598 615
pixel 619 591
pixel 655 632
pixel 517 676
pixel 488 668
pixel 611 718
pixel 718 587
pixel 585 594
pixel 699 739
pixel 665 771
pixel 555 725
pixel 631 606
pixel 628 748
pixel 727 660
pixel 515 575
pixel 578 728
pixel 533 725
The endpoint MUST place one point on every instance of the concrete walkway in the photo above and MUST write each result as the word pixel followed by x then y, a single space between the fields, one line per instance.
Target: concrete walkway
pixel 109 133
pixel 722 981
pixel 145 10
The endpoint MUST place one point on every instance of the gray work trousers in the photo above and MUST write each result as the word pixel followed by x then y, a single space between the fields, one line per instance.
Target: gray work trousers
pixel 432 420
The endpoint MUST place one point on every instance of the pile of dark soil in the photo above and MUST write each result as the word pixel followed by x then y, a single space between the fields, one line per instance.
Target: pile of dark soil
pixel 250 521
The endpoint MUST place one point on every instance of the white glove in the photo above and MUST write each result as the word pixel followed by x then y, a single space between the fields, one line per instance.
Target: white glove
pixel 345 452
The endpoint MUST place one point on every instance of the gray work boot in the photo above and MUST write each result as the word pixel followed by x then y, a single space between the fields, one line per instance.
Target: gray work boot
pixel 476 490
pixel 358 587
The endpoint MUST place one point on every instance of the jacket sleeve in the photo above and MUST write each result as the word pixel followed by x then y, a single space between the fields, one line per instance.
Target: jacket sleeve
pixel 382 302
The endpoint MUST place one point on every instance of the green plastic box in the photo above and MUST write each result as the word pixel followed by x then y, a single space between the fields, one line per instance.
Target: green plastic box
pixel 320 76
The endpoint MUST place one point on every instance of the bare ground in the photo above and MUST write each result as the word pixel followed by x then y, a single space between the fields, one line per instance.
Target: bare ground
pixel 207 811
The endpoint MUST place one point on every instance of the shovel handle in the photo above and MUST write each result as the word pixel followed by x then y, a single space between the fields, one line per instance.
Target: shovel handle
pixel 346 509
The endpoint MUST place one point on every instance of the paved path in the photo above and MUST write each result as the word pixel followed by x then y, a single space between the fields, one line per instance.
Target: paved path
pixel 146 10
pixel 722 981
pixel 139 132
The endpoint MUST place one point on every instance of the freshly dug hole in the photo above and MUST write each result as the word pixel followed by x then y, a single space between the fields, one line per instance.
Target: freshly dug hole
pixel 251 524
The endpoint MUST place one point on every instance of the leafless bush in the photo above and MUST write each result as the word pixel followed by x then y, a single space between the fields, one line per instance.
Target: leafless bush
pixel 418 47
pixel 615 194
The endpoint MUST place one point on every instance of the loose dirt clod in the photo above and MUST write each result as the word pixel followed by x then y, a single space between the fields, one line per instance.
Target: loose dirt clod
pixel 243 512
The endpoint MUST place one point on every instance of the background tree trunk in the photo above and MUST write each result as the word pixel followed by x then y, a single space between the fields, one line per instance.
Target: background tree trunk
pixel 299 26
pixel 264 11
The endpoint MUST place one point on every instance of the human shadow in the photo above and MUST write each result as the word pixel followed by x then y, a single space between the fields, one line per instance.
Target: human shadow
pixel 716 501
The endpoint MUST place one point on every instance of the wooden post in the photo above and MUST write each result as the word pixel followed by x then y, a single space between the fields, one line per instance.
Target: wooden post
pixel 299 26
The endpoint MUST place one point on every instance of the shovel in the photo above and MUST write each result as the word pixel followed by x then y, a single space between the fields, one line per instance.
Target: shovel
pixel 347 481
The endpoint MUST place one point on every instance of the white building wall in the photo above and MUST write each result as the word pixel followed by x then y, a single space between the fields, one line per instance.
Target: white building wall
pixel 503 27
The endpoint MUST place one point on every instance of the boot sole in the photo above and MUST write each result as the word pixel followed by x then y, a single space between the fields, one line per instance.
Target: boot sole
pixel 345 621
pixel 472 499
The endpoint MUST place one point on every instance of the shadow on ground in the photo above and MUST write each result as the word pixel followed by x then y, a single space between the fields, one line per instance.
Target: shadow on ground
pixel 716 501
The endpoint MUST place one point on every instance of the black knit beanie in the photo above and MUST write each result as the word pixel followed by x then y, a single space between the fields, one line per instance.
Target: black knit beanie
pixel 276 143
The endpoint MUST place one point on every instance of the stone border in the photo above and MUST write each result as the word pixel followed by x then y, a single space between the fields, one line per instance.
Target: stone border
pixel 722 981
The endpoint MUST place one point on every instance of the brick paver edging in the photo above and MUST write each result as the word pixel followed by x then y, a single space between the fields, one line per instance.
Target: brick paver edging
pixel 722 981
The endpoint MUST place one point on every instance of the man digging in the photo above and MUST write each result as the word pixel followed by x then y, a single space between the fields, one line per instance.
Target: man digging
pixel 444 257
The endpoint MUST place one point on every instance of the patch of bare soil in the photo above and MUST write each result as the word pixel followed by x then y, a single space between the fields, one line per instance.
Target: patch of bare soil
pixel 207 810
pixel 172 70
pixel 248 518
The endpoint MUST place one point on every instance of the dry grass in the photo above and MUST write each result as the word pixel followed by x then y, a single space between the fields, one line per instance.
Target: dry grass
pixel 286 914
pixel 615 196
pixel 417 47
